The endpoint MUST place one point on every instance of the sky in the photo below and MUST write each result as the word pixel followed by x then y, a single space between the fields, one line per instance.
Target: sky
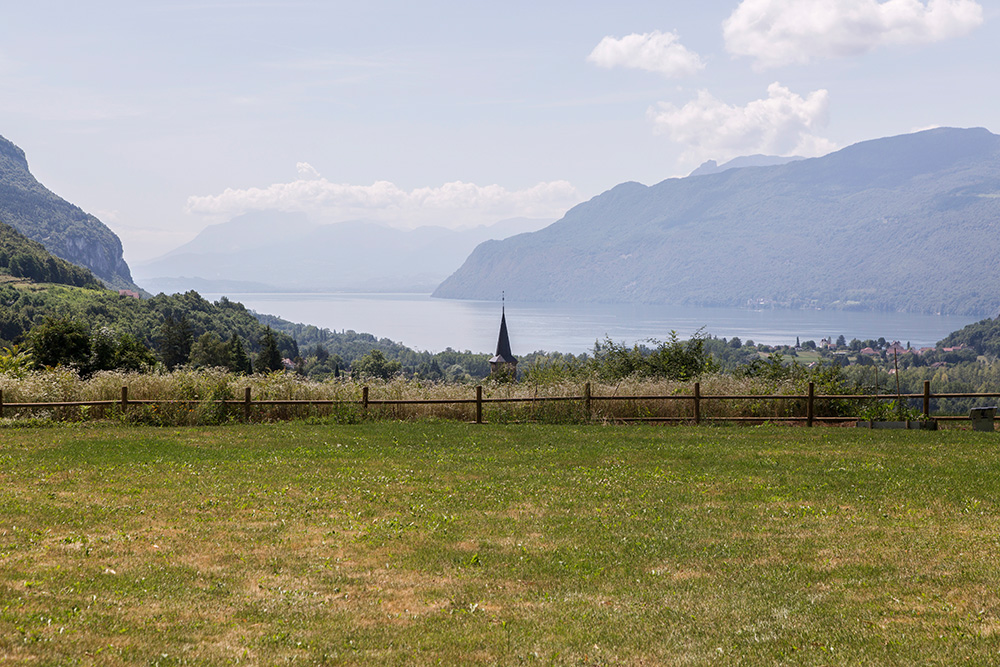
pixel 163 117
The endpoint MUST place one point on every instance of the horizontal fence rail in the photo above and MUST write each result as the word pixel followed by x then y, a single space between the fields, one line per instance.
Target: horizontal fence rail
pixel 587 401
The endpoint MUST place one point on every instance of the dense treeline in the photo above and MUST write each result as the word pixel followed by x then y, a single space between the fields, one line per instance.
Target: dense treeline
pixel 329 354
pixel 181 328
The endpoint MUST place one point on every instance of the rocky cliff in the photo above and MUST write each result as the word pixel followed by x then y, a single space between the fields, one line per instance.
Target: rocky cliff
pixel 64 229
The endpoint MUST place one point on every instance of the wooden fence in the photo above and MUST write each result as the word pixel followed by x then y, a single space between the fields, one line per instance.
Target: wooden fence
pixel 587 401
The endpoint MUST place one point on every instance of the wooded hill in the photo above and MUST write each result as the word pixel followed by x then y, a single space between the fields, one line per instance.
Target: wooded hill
pixel 982 336
pixel 143 319
pixel 37 288
pixel 64 229
pixel 906 223
pixel 39 292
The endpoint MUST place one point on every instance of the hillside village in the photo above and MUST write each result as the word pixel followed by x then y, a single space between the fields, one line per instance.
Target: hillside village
pixel 868 352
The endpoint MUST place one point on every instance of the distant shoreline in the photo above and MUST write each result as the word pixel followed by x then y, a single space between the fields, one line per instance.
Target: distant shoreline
pixel 422 322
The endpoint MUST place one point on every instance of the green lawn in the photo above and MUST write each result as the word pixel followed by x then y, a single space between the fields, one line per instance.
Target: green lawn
pixel 420 543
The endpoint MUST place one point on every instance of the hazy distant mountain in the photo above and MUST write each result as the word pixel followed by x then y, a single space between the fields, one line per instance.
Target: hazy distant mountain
pixel 253 230
pixel 64 229
pixel 907 223
pixel 713 167
pixel 275 251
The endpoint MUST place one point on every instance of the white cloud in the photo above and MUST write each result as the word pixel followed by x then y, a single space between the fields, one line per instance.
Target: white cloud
pixel 306 170
pixel 453 204
pixel 655 51
pixel 783 124
pixel 778 32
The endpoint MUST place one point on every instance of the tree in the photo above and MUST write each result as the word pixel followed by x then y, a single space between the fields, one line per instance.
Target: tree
pixel 374 365
pixel 132 355
pixel 841 341
pixel 209 350
pixel 673 359
pixel 175 341
pixel 269 358
pixel 236 357
pixel 60 342
pixel 109 351
pixel 102 350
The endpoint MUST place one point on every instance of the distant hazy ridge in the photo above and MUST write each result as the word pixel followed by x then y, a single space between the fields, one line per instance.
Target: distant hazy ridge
pixel 906 223
pixel 264 251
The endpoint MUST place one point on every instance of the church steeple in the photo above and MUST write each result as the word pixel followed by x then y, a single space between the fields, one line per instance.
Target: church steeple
pixel 504 360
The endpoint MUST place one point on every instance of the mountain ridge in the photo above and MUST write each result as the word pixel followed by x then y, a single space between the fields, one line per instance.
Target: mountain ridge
pixel 758 160
pixel 886 224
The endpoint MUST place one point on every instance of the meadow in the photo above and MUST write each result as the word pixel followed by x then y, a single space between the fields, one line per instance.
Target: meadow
pixel 436 542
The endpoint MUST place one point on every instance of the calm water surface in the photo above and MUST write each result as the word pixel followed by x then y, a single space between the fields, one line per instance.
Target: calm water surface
pixel 423 323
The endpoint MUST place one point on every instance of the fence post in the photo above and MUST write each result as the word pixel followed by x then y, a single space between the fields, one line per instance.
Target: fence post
pixel 810 404
pixel 697 402
pixel 927 399
pixel 124 398
pixel 479 404
pixel 246 404
pixel 364 399
pixel 586 400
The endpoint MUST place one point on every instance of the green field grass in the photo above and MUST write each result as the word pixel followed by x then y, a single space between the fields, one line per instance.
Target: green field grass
pixel 436 542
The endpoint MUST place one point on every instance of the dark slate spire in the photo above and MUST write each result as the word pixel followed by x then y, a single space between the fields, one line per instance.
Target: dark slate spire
pixel 503 342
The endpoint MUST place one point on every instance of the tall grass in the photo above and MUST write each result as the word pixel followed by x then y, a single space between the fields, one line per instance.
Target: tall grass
pixel 203 395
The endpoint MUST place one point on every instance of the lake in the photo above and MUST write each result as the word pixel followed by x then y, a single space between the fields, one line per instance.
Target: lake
pixel 423 323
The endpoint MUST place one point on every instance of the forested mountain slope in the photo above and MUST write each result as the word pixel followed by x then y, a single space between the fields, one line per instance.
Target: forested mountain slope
pixel 906 223
pixel 64 229
pixel 20 257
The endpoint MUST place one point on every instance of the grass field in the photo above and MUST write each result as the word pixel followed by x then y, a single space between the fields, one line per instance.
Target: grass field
pixel 435 542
